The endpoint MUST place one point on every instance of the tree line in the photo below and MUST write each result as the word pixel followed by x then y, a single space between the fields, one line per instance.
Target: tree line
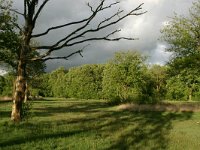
pixel 125 78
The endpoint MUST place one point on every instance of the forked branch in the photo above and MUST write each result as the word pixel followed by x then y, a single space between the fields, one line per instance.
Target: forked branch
pixel 79 35
pixel 62 57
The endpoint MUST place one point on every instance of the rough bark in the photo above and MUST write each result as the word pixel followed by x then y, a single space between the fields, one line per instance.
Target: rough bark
pixel 19 93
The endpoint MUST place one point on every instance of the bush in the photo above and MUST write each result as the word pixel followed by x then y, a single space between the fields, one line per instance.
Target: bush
pixel 85 82
pixel 125 79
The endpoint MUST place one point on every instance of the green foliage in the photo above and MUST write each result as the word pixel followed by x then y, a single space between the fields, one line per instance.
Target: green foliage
pixel 10 46
pixel 9 38
pixel 41 86
pixel 176 89
pixel 182 33
pixel 57 82
pixel 159 75
pixel 7 87
pixel 85 82
pixel 124 78
pixel 184 86
pixel 26 111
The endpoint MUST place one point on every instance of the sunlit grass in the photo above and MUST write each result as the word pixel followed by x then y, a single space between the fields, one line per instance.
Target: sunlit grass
pixel 92 124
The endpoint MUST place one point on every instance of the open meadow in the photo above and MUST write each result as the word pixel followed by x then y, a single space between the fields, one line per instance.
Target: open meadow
pixel 93 124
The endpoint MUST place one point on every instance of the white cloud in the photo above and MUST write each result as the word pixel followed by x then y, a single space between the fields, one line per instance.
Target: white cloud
pixel 160 56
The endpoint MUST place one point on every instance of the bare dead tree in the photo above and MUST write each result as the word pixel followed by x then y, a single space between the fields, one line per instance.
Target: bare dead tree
pixel 32 10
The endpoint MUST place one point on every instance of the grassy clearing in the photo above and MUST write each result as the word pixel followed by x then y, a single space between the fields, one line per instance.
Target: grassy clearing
pixel 90 124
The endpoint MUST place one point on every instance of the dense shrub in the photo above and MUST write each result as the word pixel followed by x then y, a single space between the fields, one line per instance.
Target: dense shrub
pixel 7 85
pixel 184 86
pixel 125 79
pixel 85 82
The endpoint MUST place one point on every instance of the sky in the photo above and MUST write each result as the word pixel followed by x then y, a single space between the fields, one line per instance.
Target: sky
pixel 145 27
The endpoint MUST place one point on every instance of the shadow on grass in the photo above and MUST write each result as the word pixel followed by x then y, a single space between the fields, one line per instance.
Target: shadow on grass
pixel 5 101
pixel 147 128
pixel 37 137
pixel 123 129
pixel 5 114
pixel 81 107
pixel 5 109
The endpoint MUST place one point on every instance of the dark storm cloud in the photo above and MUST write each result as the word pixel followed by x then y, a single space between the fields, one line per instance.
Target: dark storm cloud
pixel 146 28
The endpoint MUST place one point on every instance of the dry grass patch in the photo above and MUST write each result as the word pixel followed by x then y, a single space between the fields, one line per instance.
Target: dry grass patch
pixel 5 98
pixel 174 107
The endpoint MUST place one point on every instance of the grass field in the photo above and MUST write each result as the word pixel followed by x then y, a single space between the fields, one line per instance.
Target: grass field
pixel 90 124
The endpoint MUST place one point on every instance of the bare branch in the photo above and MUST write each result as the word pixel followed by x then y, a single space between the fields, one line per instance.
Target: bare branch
pixel 64 57
pixel 108 19
pixel 25 9
pixel 39 10
pixel 72 23
pixel 107 22
pixel 105 26
pixel 100 38
pixel 55 46
pixel 94 12
pixel 51 48
pixel 110 5
pixel 91 8
pixel 112 33
pixel 42 58
pixel 58 27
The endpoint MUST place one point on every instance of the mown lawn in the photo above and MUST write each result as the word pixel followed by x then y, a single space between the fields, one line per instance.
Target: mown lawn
pixel 90 124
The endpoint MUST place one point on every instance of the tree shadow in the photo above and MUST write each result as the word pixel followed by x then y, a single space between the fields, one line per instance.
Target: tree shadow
pixel 76 107
pixel 5 109
pixel 37 137
pixel 5 114
pixel 150 127
pixel 125 129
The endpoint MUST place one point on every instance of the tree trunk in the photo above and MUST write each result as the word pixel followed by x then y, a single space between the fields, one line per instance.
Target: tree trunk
pixel 19 93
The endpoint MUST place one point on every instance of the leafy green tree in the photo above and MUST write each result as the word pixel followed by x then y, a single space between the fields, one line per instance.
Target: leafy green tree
pixel 7 87
pixel 124 78
pixel 183 36
pixel 159 75
pixel 10 45
pixel 57 82
pixel 85 82
pixel 184 86
pixel 45 88
pixel 183 33
pixel 9 39
pixel 82 34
